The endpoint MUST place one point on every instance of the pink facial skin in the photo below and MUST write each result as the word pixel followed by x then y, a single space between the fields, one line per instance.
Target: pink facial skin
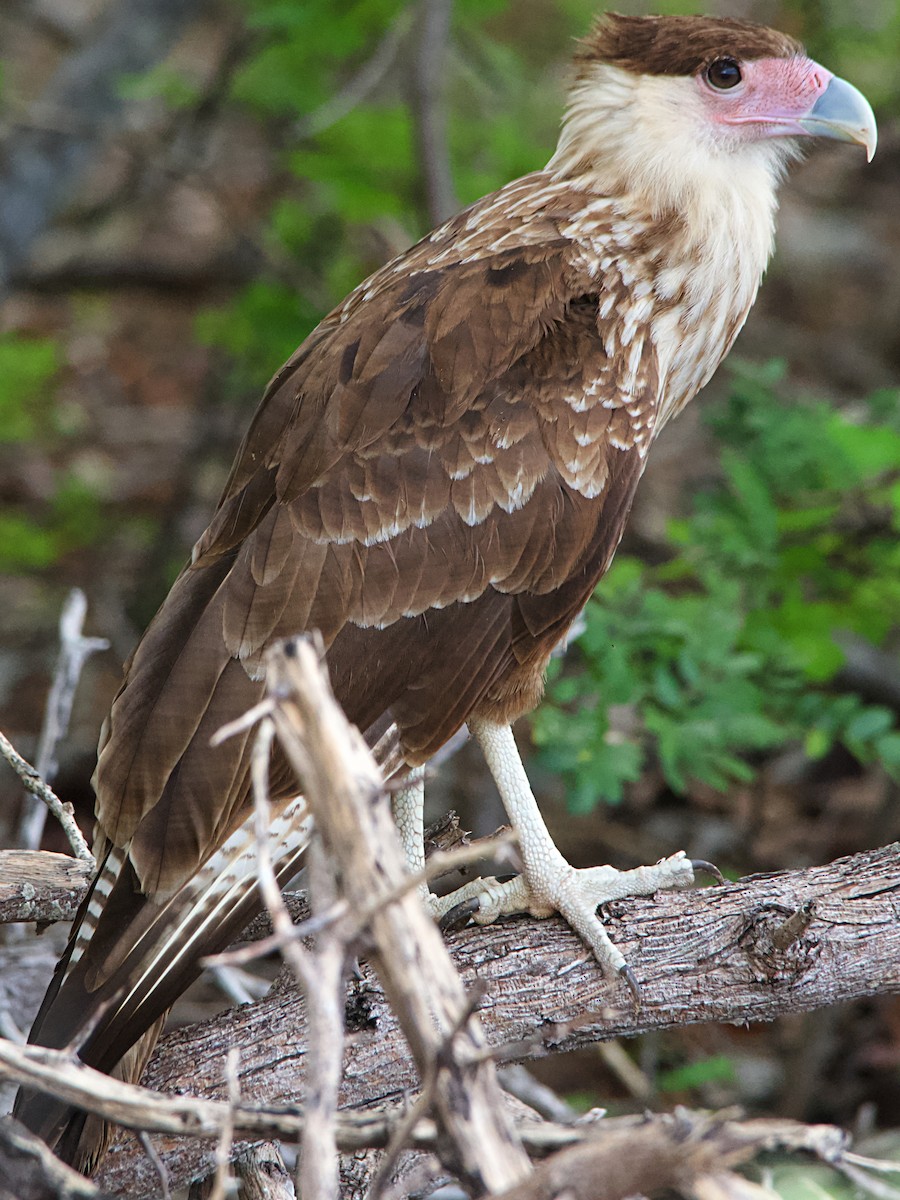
pixel 790 97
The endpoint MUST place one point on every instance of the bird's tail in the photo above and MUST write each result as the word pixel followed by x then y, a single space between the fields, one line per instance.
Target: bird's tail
pixel 112 1015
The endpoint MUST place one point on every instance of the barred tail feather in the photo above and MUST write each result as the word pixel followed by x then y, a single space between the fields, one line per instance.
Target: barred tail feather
pixel 164 943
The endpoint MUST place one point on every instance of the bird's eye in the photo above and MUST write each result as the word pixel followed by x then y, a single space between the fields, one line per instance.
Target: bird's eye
pixel 723 74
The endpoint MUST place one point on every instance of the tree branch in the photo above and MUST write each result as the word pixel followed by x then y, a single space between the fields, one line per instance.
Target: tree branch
pixel 430 108
pixel 352 816
pixel 769 945
pixel 634 1154
pixel 33 783
pixel 36 885
pixel 708 955
pixel 74 651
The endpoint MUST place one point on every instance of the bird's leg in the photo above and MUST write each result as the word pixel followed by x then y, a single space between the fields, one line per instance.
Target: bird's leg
pixel 549 883
pixel 408 805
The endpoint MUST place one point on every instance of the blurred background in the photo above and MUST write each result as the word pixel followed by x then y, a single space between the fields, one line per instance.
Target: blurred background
pixel 187 186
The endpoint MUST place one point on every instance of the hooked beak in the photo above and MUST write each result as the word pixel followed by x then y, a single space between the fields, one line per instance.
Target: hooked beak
pixel 842 112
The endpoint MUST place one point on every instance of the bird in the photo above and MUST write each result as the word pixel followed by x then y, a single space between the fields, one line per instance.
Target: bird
pixel 436 481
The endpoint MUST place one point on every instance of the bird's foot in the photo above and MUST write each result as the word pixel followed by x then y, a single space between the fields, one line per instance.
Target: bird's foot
pixel 575 894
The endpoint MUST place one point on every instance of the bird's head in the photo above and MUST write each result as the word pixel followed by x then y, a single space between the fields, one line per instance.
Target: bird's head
pixel 666 108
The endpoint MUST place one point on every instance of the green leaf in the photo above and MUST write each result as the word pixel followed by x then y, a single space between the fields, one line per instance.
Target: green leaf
pixel 869 723
pixel 27 369
pixel 161 82
pixel 717 1069
pixel 24 544
pixel 870 449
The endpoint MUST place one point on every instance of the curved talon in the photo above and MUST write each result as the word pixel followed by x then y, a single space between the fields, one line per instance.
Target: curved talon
pixel 626 973
pixel 708 868
pixel 458 916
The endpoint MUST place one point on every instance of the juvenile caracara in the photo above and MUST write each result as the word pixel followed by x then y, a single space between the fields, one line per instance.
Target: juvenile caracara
pixel 437 480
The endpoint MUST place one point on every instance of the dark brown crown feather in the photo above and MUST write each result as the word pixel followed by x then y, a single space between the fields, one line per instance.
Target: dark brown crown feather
pixel 678 45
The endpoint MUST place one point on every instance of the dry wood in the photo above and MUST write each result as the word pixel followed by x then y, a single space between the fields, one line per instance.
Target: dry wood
pixel 37 787
pixel 689 1153
pixel 700 955
pixel 74 651
pixel 28 1171
pixel 196 1117
pixel 39 886
pixel 262 1175
pixel 353 818
pixel 630 1154
pixel 45 887
pixel 705 955
pixel 747 951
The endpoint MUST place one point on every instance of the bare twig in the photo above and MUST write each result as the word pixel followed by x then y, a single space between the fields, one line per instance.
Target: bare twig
pixel 162 1173
pixel 265 872
pixel 190 1116
pixel 34 784
pixel 361 84
pixel 245 721
pixel 318 1176
pixel 320 975
pixel 74 650
pixel 352 814
pixel 441 863
pixel 401 1137
pixel 519 1082
pixel 318 1167
pixel 239 986
pixel 223 1178
pixel 60 1074
pixel 28 1168
pixel 429 107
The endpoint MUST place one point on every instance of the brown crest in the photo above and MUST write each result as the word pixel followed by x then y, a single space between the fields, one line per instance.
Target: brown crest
pixel 679 45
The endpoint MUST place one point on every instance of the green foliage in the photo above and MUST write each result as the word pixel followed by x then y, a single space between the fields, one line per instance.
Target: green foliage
pixel 793 1180
pixel 354 182
pixel 161 82
pixel 72 519
pixel 302 47
pixel 259 329
pixel 27 368
pixel 732 646
pixel 24 544
pixel 717 1069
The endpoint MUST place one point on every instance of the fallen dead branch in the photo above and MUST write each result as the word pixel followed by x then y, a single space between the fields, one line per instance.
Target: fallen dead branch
pixel 694 1153
pixel 196 1117
pixel 747 951
pixel 353 818
pixel 700 956
pixel 37 885
pixel 36 786
pixel 74 651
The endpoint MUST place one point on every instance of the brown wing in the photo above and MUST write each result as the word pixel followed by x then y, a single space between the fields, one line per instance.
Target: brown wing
pixel 435 481
pixel 428 447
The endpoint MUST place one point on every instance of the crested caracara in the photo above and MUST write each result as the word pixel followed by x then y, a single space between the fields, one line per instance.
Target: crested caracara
pixel 436 481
